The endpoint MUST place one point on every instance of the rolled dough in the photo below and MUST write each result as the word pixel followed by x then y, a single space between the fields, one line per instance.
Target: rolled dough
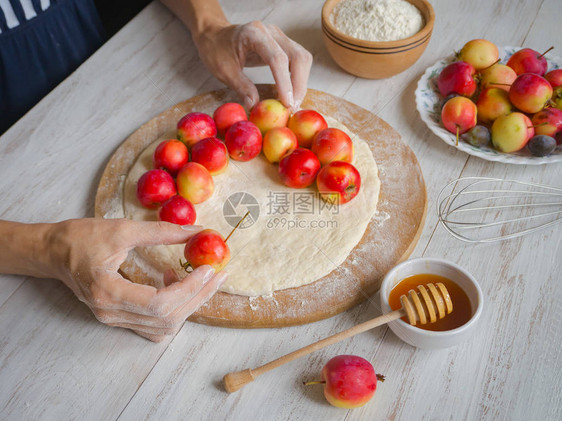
pixel 295 240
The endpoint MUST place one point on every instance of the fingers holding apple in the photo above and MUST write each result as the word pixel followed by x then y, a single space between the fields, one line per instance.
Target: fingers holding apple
pixel 207 247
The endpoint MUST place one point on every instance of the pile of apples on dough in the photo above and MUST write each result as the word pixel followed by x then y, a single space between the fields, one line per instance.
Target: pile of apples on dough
pixel 308 153
pixel 516 104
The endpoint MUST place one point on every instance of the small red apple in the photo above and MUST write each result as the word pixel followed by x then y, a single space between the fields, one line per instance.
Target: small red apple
pixel 306 124
pixel 548 121
pixel 195 183
pixel 177 210
pixel 511 132
pixel 195 126
pixel 530 92
pixel 480 53
pixel 268 114
pixel 349 381
pixel 154 187
pixel 554 77
pixel 498 76
pixel 332 145
pixel 299 169
pixel 207 247
pixel 170 155
pixel 338 182
pixel 492 103
pixel 459 115
pixel 458 78
pixel 527 60
pixel 243 141
pixel 228 114
pixel 279 142
pixel 212 154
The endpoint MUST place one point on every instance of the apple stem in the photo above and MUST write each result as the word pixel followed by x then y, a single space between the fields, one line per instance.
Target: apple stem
pixel 537 125
pixel 186 266
pixel 493 64
pixel 381 378
pixel 499 83
pixel 237 225
pixel 551 48
pixel 314 382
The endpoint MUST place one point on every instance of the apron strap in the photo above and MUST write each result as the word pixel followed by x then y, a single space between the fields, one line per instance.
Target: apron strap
pixel 3 23
pixel 37 6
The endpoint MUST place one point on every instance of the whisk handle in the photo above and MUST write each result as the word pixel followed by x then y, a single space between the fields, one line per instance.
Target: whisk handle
pixel 234 381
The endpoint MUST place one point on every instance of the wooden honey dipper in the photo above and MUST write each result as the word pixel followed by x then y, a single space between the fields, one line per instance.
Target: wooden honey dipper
pixel 423 306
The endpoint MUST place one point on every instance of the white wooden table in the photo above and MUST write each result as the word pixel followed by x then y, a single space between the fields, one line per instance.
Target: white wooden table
pixel 58 362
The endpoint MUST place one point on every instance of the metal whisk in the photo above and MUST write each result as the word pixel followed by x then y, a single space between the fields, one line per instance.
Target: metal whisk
pixel 482 209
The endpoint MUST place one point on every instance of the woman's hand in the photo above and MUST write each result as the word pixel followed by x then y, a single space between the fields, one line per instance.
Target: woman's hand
pixel 227 49
pixel 86 254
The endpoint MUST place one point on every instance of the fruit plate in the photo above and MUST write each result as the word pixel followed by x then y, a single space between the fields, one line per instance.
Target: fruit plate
pixel 428 103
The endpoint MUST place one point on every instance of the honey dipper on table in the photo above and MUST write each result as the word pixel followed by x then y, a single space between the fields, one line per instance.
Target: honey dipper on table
pixel 425 304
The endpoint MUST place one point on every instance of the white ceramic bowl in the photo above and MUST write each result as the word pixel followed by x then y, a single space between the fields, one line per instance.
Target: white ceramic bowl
pixel 428 339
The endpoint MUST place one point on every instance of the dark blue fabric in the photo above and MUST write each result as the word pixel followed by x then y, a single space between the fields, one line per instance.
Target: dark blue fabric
pixel 38 54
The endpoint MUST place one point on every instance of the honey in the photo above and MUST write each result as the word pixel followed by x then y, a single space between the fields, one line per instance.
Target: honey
pixel 462 311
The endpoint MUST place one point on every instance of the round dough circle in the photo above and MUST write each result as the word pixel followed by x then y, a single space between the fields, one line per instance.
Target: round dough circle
pixel 296 239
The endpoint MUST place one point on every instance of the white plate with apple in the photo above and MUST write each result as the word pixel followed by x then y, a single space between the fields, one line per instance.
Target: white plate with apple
pixel 429 100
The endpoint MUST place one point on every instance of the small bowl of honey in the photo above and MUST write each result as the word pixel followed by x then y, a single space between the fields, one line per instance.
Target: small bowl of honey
pixel 463 289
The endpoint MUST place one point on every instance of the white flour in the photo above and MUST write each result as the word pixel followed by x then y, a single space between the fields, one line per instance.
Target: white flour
pixel 377 20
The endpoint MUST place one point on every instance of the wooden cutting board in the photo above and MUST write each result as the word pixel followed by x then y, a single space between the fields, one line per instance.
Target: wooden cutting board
pixel 389 238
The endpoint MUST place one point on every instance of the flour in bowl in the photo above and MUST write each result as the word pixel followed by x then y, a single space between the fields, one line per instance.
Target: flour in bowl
pixel 377 20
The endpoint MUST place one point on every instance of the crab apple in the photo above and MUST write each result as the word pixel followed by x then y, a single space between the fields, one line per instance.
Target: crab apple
pixel 498 76
pixel 228 114
pixel 548 121
pixel 492 103
pixel 457 77
pixel 554 77
pixel 349 381
pixel 332 145
pixel 243 141
pixel 154 187
pixel 170 155
pixel 299 168
pixel 480 53
pixel 207 247
pixel 459 115
pixel 212 154
pixel 195 126
pixel 268 114
pixel 530 92
pixel 278 142
pixel 511 132
pixel 177 210
pixel 527 60
pixel 557 97
pixel 195 183
pixel 338 182
pixel 306 124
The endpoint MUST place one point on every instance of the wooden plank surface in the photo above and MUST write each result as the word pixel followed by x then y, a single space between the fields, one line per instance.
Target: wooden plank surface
pixel 58 362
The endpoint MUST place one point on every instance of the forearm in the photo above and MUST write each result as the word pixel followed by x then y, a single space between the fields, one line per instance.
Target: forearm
pixel 24 249
pixel 198 15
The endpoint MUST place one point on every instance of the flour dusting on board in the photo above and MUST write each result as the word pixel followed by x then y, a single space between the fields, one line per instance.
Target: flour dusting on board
pixel 377 20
